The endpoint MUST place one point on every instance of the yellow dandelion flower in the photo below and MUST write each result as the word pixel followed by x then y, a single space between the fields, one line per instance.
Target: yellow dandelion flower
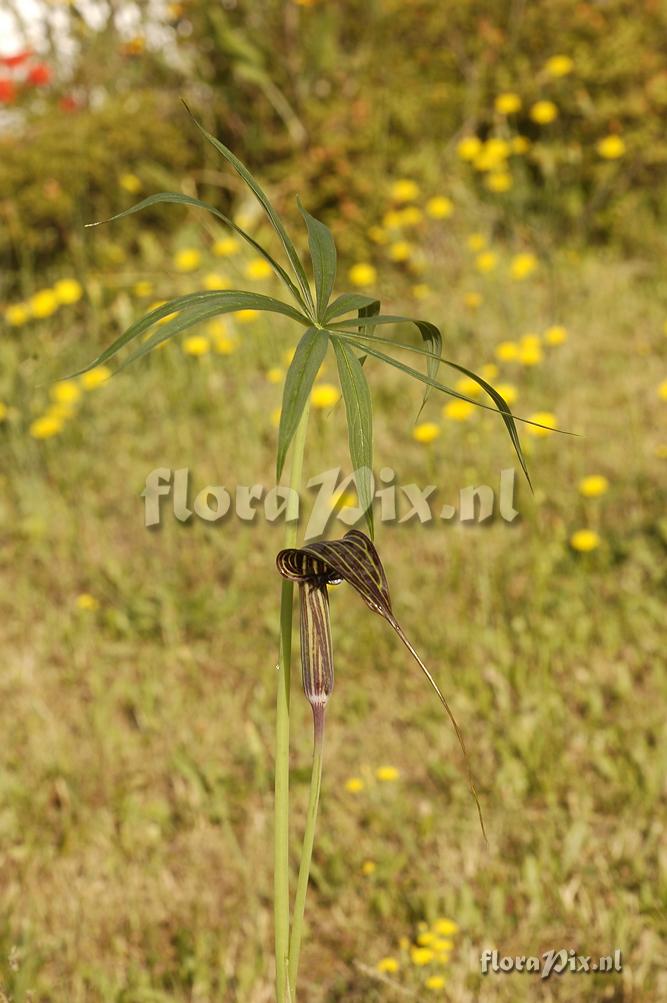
pixel 520 145
pixel 66 392
pixel 87 602
pixel 530 355
pixel 468 386
pixel 405 190
pixel 411 216
pixel 421 291
pixel 507 103
pixel 458 410
pixel 392 219
pixel 443 945
pixel 44 303
pixel 275 374
pixel 400 251
pixel 4 411
pixel 368 867
pixel 498 182
pixel 611 147
pixel 275 417
pixel 68 291
pixel 559 66
pixel 593 486
pixel 493 154
pixel 225 247
pixel 387 773
pixel 95 377
pixel 215 281
pixel 246 316
pixel 585 540
pixel 542 418
pixel 17 314
pixel 378 235
pixel 543 112
pixel 435 982
pixel 354 785
pixel 472 300
pixel 522 266
pixel 426 432
pixel 388 965
pixel 469 147
pixel 143 288
pixel 426 938
pixel 555 335
pixel 507 351
pixel 324 395
pixel 421 956
pixel 196 344
pixel 489 371
pixel 662 390
pixel 362 274
pixel 187 259
pixel 130 183
pixel 439 207
pixel 446 927
pixel 258 268
pixel 486 261
pixel 508 391
pixel 476 241
pixel 46 427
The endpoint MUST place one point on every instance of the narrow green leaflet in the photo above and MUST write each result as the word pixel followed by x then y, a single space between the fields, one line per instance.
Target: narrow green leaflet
pixel 359 412
pixel 263 199
pixel 190 310
pixel 429 332
pixel 371 309
pixel 346 303
pixel 301 374
pixel 178 199
pixel 323 256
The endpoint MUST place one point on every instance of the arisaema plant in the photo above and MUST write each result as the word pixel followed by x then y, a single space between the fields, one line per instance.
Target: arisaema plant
pixel 350 327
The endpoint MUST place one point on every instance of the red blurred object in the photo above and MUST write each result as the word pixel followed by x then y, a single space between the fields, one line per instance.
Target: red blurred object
pixel 68 103
pixel 16 59
pixel 7 91
pixel 39 74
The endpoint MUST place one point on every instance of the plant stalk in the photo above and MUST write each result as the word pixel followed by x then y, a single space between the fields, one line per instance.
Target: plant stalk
pixel 281 803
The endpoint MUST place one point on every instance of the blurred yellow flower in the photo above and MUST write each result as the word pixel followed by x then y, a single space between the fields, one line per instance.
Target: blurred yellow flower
pixel 324 395
pixel 225 247
pixel 130 182
pixel 275 417
pixel 476 241
pixel 522 266
pixel 362 274
pixel 472 300
pixel 445 927
pixel 421 956
pixel 492 155
pixel 662 390
pixel 45 427
pixel 593 486
pixel 542 418
pixel 426 432
pixel 530 340
pixel 143 288
pixel 520 145
pixel 400 251
pixel 223 344
pixel 458 410
pixel 17 314
pixel 87 602
pixel 44 303
pixel 421 291
pixel 368 867
pixel 507 351
pixel 187 259
pixel 486 261
pixel 439 207
pixel 95 377
pixel 392 219
pixel 68 291
pixel 466 385
pixel 215 281
pixel 469 147
pixel 508 391
pixel 559 66
pixel 246 316
pixel 489 371
pixel 507 103
pixel 555 335
pixel 435 982
pixel 388 965
pixel 275 374
pixel 530 355
pixel 543 112
pixel 65 392
pixel 258 268
pixel 378 235
pixel 288 355
pixel 444 947
pixel 404 190
pixel 425 938
pixel 3 411
pixel 387 773
pixel 196 344
pixel 498 181
pixel 611 147
pixel 585 540
pixel 354 784
pixel 411 215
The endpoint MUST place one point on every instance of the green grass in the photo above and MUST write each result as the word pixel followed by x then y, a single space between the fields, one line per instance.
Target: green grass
pixel 136 783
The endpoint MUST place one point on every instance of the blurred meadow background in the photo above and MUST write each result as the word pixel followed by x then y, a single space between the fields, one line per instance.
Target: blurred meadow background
pixel 499 169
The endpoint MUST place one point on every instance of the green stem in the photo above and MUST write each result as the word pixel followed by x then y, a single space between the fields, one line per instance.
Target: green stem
pixel 306 851
pixel 281 809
